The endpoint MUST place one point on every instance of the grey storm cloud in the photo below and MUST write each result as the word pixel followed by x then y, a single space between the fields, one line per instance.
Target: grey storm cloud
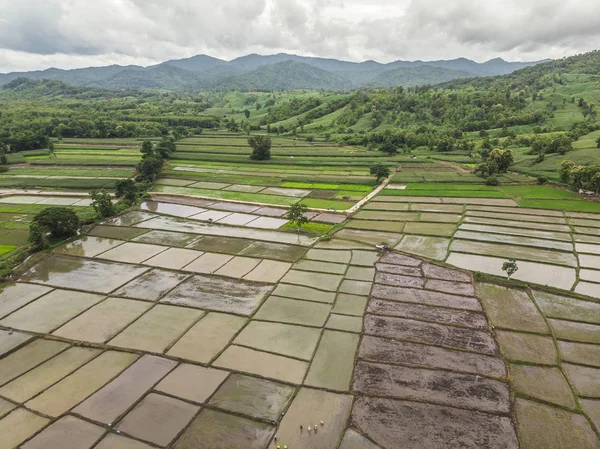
pixel 74 33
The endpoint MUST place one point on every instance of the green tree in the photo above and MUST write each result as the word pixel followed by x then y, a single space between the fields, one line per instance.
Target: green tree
pixel 247 114
pixel 127 189
pixel 503 159
pixel 180 132
pixel 147 149
pixel 598 142
pixel 510 267
pixel 102 203
pixel 37 237
pixel 388 148
pixel 261 148
pixel 165 148
pixel 149 169
pixel 380 172
pixel 297 215
pixel 445 143
pixel 59 221
pixel 565 171
pixel 596 182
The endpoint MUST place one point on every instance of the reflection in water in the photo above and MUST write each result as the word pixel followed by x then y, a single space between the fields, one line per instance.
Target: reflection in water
pixel 81 274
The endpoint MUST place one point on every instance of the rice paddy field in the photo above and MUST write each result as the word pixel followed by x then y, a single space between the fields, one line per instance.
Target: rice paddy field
pixel 204 323
pixel 557 248
pixel 216 165
pixel 75 165
pixel 204 319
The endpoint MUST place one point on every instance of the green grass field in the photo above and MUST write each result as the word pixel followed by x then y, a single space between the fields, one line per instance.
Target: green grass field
pixel 537 192
pixel 57 183
pixel 567 205
pixel 447 193
pixel 227 195
pixel 326 204
pixel 4 249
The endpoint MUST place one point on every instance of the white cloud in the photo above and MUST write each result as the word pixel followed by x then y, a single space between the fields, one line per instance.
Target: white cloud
pixel 36 34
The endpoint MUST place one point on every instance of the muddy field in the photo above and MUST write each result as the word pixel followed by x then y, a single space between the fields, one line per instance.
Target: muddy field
pixel 161 329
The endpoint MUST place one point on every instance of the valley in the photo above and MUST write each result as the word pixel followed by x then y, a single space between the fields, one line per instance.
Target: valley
pixel 404 267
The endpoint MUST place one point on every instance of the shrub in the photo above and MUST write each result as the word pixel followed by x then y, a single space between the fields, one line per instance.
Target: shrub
pixel 542 180
pixel 37 237
pixel 60 221
pixel 102 203
pixel 492 181
pixel 127 189
pixel 3 168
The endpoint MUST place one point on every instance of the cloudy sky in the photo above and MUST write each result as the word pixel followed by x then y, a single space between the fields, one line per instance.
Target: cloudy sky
pixel 37 34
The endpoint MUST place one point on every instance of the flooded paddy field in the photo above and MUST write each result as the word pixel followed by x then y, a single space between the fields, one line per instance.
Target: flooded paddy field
pixel 206 324
pixel 554 248
pixel 318 174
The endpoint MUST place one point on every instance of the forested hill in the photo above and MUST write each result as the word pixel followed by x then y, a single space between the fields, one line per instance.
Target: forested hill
pixel 585 64
pixel 271 73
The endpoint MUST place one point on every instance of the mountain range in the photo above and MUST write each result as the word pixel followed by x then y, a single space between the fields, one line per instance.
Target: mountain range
pixel 271 73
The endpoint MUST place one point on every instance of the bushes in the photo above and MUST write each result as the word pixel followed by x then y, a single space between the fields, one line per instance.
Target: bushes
pixel 492 181
pixel 37 237
pixel 127 189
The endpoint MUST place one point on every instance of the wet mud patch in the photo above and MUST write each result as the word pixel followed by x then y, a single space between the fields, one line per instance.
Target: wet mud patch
pixel 218 294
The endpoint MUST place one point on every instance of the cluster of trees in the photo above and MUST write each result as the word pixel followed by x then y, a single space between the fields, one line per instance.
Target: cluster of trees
pixel 309 109
pixel 467 110
pixel 34 111
pixel 588 109
pixel 498 161
pixel 4 150
pixel 586 177
pixel 542 145
pixel 53 222
pixel 153 156
pixel 291 108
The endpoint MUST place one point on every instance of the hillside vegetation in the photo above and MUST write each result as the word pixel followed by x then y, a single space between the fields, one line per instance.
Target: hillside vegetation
pixel 543 114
